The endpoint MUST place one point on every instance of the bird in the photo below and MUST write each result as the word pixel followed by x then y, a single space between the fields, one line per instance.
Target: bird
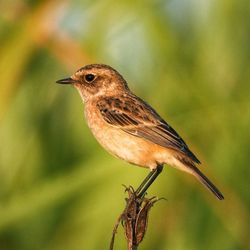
pixel 129 128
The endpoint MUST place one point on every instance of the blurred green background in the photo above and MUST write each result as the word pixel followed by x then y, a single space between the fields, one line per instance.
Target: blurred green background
pixel 59 190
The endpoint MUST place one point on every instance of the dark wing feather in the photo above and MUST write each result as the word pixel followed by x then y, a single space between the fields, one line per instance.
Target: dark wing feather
pixel 137 118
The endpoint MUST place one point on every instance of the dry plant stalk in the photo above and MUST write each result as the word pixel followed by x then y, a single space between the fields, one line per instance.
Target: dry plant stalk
pixel 134 219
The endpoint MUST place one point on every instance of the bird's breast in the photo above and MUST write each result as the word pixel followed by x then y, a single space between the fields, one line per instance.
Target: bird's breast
pixel 128 147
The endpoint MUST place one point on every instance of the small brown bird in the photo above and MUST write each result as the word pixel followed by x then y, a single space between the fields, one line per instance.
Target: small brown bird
pixel 129 128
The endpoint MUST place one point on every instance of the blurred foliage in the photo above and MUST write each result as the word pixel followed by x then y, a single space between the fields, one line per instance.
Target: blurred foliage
pixel 189 59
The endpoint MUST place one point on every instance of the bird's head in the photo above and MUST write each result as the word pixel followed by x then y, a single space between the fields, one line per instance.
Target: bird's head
pixel 96 79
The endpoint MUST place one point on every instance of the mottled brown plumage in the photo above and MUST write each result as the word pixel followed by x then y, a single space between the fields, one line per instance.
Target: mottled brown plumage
pixel 128 127
pixel 136 117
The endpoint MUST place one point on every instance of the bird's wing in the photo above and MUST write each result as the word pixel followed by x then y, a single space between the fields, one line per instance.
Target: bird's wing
pixel 137 118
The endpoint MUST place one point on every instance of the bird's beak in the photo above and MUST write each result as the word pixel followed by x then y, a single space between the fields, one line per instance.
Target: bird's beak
pixel 66 81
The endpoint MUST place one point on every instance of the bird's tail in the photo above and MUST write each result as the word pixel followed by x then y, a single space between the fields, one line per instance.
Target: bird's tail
pixel 207 183
pixel 189 166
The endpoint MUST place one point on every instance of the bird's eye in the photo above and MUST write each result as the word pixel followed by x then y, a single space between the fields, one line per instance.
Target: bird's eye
pixel 89 77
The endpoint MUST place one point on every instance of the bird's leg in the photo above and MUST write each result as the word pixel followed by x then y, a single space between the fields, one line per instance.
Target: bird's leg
pixel 141 190
pixel 148 177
